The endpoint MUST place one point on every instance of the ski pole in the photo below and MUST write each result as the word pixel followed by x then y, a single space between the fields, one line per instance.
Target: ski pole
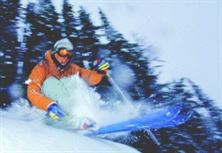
pixel 150 133
pixel 153 137
pixel 117 88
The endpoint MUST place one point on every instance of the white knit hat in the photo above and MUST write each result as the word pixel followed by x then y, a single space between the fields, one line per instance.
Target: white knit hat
pixel 62 43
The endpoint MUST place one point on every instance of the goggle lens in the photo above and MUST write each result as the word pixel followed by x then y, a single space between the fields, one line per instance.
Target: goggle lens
pixel 65 53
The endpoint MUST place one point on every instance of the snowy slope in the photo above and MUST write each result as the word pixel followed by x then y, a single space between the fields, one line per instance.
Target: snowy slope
pixel 28 135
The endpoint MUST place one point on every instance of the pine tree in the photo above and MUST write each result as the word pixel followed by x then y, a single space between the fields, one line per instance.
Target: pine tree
pixel 70 24
pixel 8 44
pixel 42 31
pixel 131 54
pixel 88 40
pixel 20 77
pixel 70 21
pixel 35 40
pixel 48 22
pixel 207 103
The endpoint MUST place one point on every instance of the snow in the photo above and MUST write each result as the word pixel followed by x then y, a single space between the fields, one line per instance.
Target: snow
pixel 32 135
pixel 119 71
pixel 15 91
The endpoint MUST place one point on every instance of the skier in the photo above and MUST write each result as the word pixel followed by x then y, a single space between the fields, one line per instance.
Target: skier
pixel 57 63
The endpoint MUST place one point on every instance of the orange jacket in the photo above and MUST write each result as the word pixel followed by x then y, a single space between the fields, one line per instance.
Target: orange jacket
pixel 47 68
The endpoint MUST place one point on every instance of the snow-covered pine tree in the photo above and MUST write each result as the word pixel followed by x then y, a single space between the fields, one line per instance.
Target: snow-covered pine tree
pixel 215 112
pixel 8 41
pixel 70 20
pixel 71 25
pixel 42 31
pixel 8 45
pixel 34 40
pixel 88 42
pixel 132 55
pixel 48 22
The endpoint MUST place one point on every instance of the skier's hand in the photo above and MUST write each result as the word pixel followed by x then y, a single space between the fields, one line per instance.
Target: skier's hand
pixel 101 65
pixel 55 112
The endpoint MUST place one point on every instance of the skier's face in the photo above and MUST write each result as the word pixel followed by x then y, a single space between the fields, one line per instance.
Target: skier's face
pixel 63 59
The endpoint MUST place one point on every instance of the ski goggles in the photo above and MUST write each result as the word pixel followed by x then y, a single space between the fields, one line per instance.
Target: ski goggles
pixel 65 53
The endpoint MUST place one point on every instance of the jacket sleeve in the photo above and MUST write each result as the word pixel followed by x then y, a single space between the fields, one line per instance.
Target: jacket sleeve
pixel 36 79
pixel 92 77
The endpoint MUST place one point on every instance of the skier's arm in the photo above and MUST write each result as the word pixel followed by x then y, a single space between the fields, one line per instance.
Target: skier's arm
pixel 34 94
pixel 92 77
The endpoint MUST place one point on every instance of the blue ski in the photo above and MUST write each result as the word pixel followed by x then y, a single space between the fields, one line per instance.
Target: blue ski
pixel 163 118
pixel 180 119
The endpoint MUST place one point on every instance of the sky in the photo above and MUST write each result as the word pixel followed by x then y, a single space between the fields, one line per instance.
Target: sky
pixel 186 35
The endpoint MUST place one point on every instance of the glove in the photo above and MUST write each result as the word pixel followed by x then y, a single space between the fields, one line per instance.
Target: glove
pixel 55 112
pixel 101 65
